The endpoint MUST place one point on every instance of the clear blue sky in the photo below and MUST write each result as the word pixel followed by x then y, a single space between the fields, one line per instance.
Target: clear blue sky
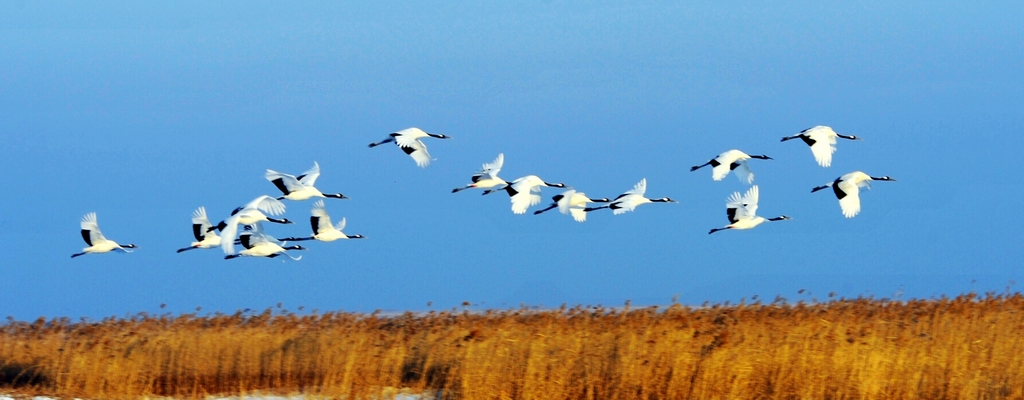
pixel 142 112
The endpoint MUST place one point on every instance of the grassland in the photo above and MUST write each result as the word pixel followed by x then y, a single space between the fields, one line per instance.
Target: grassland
pixel 965 347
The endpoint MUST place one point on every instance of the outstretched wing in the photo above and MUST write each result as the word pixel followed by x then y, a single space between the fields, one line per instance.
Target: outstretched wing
pixel 523 200
pixel 418 151
pixel 266 204
pixel 742 207
pixel 319 219
pixel 286 183
pixel 640 188
pixel 91 229
pixel 565 202
pixel 626 203
pixel 200 224
pixel 743 173
pixel 492 168
pixel 308 178
pixel 575 205
pixel 824 145
pixel 849 197
pixel 228 234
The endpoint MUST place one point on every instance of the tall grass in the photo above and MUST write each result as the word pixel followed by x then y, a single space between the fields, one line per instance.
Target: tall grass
pixel 965 347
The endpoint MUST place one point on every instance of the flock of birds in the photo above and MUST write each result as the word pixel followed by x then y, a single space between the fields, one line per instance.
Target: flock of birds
pixel 523 193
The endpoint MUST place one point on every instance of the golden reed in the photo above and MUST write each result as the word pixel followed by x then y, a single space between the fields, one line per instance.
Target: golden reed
pixel 966 347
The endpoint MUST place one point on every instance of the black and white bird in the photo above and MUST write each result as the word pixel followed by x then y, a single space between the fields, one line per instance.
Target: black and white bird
pixel 632 199
pixel 573 203
pixel 300 187
pixel 259 244
pixel 847 190
pixel 409 141
pixel 249 214
pixel 525 192
pixel 322 228
pixel 822 140
pixel 94 238
pixel 487 178
pixel 732 160
pixel 206 238
pixel 254 212
pixel 742 211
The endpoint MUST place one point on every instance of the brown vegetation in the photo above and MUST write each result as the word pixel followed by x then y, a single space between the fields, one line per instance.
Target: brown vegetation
pixel 967 347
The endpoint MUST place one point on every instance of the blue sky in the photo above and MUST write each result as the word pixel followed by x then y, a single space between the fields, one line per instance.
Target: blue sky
pixel 142 112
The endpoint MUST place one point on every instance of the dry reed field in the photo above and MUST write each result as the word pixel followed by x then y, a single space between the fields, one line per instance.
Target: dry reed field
pixel 965 347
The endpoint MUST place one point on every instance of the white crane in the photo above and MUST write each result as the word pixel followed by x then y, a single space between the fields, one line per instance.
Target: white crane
pixel 322 228
pixel 249 214
pixel 259 244
pixel 409 141
pixel 822 140
pixel 847 190
pixel 742 211
pixel 487 178
pixel 94 238
pixel 732 160
pixel 572 202
pixel 206 238
pixel 301 187
pixel 525 192
pixel 632 199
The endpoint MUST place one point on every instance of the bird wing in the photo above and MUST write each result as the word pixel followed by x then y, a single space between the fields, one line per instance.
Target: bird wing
pixel 742 207
pixel 227 241
pixel 341 225
pixel 492 168
pixel 850 203
pixel 640 188
pixel 732 206
pixel 627 203
pixel 406 137
pixel 578 214
pixel 750 202
pixel 523 200
pixel 266 204
pixel 824 145
pixel 199 217
pixel 418 151
pixel 565 202
pixel 319 219
pixel 720 171
pixel 287 183
pixel 576 203
pixel 722 164
pixel 743 172
pixel 308 178
pixel 91 229
pixel 200 224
